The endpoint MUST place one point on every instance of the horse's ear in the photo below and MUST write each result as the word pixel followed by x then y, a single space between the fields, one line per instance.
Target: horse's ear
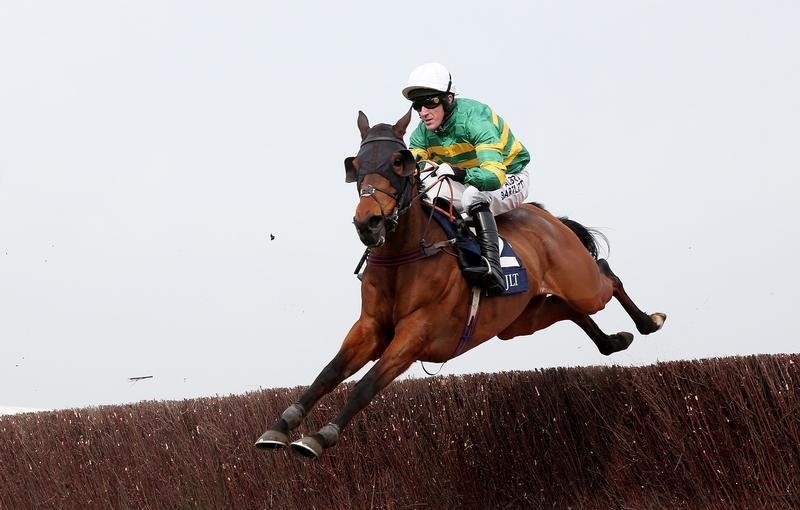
pixel 406 165
pixel 400 127
pixel 350 170
pixel 363 124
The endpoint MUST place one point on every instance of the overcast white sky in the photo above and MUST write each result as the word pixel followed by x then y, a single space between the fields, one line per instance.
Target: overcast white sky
pixel 148 149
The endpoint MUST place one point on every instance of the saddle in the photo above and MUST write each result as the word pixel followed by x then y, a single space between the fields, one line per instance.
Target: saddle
pixel 469 252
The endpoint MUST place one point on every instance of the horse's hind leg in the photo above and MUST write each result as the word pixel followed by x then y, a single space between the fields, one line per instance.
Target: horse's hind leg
pixel 606 344
pixel 545 311
pixel 645 323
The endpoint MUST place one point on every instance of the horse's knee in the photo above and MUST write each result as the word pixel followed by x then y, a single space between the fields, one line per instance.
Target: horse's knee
pixel 363 392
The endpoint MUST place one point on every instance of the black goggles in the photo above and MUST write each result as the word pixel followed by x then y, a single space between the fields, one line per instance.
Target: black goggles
pixel 428 102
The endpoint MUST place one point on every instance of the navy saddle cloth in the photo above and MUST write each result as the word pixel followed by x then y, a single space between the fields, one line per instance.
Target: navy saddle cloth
pixel 469 253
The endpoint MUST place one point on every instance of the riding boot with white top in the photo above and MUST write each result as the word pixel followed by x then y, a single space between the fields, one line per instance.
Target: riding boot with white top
pixel 491 274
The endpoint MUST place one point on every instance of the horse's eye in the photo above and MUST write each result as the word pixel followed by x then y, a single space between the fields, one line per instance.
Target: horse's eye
pixel 397 161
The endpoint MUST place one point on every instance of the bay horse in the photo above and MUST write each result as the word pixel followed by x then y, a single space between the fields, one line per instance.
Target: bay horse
pixel 413 297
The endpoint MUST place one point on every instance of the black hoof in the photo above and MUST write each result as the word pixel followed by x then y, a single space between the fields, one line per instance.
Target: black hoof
pixel 272 440
pixel 616 343
pixel 308 447
pixel 655 323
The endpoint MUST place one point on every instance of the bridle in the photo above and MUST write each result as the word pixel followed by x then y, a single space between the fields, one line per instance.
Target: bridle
pixel 401 198
pixel 403 202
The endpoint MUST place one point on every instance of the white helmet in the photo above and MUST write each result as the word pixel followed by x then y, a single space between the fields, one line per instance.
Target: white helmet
pixel 428 79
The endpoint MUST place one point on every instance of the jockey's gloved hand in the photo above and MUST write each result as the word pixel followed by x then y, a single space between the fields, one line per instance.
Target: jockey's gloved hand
pixel 453 172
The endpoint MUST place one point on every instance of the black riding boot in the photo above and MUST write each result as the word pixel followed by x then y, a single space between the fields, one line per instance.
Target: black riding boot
pixel 491 275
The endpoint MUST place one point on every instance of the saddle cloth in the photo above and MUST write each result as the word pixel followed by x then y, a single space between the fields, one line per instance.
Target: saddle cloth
pixel 469 253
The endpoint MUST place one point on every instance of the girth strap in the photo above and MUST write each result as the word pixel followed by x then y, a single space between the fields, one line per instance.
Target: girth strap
pixel 472 318
pixel 473 307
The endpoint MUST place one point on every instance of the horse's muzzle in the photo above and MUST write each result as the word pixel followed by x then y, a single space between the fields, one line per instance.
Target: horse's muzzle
pixel 371 232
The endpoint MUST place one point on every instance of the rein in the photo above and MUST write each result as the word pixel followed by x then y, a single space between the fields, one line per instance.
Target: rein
pixel 424 251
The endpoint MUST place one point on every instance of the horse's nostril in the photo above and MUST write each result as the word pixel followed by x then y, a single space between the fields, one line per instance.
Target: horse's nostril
pixel 374 222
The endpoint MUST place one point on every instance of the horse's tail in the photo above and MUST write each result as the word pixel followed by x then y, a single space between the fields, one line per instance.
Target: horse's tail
pixel 588 236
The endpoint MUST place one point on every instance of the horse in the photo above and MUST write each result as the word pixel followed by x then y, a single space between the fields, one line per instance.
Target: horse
pixel 413 295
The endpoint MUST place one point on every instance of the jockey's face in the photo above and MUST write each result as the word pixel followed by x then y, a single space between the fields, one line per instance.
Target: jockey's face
pixel 432 117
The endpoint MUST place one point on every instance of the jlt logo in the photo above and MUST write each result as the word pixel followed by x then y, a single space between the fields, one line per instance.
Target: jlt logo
pixel 511 280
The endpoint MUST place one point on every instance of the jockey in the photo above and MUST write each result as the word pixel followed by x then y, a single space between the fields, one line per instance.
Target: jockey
pixel 475 149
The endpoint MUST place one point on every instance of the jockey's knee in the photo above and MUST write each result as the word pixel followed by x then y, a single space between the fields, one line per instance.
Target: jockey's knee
pixel 473 197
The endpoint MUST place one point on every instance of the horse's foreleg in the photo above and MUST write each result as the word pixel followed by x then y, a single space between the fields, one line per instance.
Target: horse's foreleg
pixel 645 323
pixel 397 359
pixel 277 435
pixel 361 345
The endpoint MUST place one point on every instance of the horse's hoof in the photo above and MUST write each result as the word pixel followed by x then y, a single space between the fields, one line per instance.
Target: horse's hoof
pixel 651 323
pixel 308 447
pixel 658 319
pixel 272 440
pixel 616 343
